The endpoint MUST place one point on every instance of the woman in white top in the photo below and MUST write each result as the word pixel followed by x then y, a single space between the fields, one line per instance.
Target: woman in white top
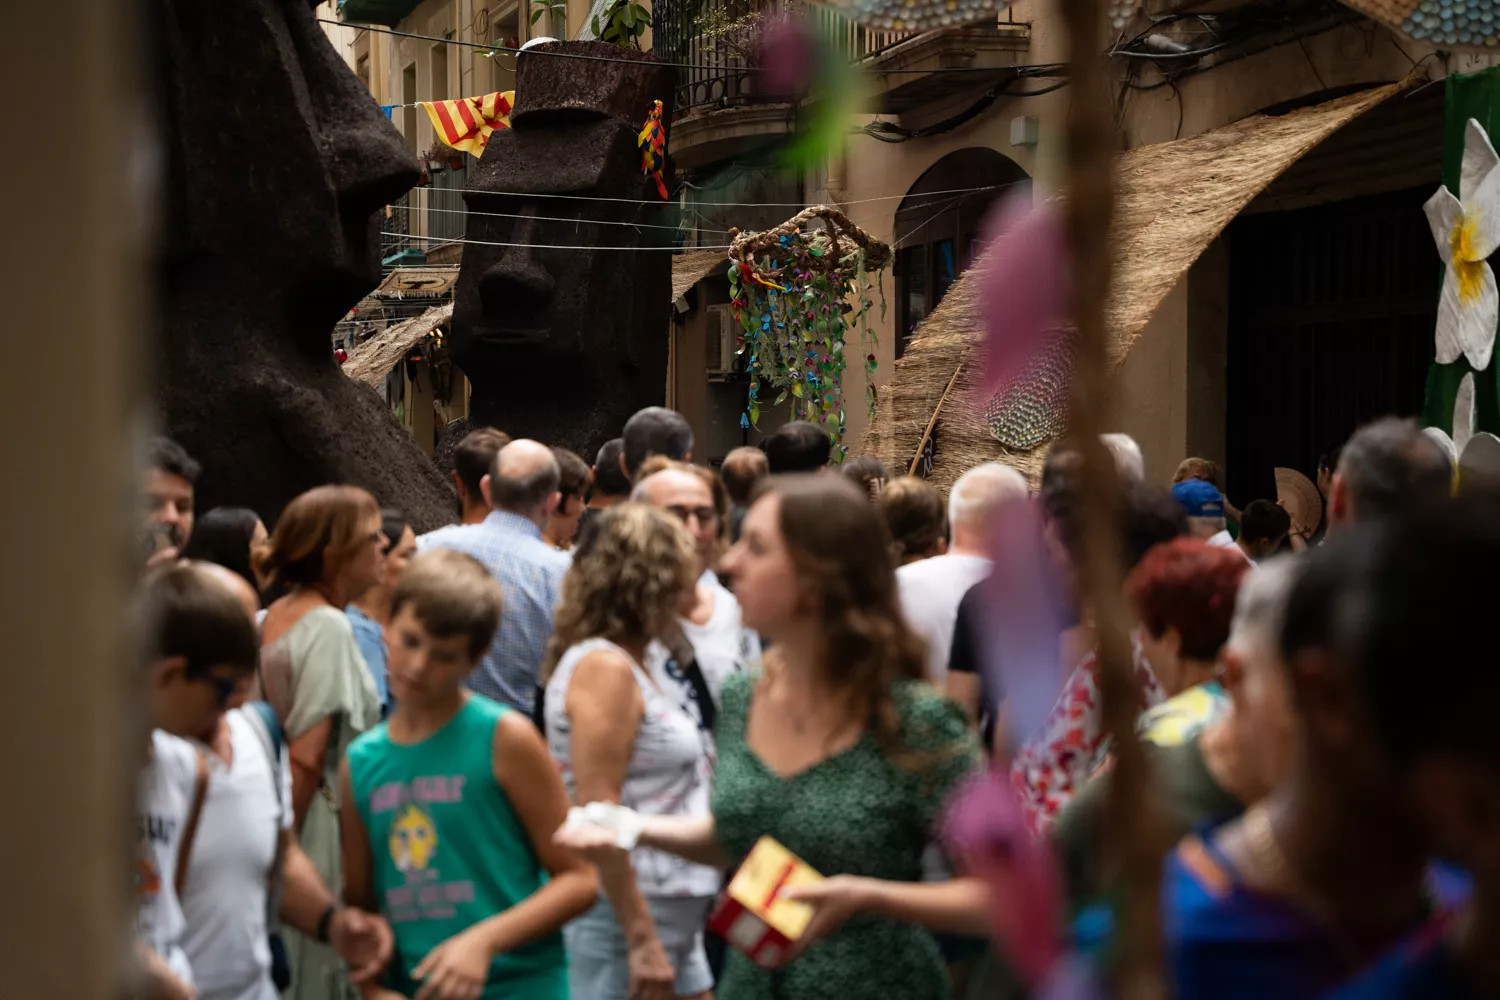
pixel 328 548
pixel 619 737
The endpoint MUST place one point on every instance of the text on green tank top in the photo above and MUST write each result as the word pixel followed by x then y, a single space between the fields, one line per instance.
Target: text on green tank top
pixel 447 849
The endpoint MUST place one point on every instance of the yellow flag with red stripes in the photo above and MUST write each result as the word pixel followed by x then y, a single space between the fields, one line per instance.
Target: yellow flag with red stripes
pixel 466 123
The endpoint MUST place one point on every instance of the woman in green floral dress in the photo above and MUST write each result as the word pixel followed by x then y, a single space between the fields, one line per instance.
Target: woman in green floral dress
pixel 839 750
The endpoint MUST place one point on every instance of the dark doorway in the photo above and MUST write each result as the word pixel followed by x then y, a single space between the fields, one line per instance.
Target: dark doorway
pixel 937 226
pixel 1331 322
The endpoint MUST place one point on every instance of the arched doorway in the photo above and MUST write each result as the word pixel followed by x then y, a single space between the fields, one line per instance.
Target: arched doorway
pixel 937 224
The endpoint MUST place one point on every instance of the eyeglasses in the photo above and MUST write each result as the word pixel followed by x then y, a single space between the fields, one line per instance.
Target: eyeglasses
pixel 707 517
pixel 225 685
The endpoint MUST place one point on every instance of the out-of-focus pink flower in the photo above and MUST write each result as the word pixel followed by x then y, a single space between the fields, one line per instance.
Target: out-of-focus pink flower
pixel 788 57
pixel 1025 614
pixel 1024 282
pixel 986 833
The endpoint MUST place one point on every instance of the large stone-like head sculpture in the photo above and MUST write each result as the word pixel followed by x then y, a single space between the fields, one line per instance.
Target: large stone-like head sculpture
pixel 278 163
pixel 564 344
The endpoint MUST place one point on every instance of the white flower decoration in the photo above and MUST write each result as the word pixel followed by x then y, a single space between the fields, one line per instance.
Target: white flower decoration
pixel 1467 231
pixel 1463 413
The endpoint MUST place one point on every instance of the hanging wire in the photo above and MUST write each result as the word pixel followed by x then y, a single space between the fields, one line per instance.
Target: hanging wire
pixel 581 222
pixel 1039 69
pixel 444 241
pixel 738 204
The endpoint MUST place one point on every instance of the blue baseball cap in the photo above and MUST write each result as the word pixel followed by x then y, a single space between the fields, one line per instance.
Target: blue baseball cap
pixel 1199 498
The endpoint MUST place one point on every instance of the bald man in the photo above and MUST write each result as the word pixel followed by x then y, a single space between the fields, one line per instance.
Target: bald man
pixel 712 635
pixel 521 490
pixel 932 588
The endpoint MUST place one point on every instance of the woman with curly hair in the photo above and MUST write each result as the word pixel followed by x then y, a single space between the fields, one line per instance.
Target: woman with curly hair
pixel 838 749
pixel 619 738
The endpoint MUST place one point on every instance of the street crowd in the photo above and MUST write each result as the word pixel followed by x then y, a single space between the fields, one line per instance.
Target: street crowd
pixel 521 755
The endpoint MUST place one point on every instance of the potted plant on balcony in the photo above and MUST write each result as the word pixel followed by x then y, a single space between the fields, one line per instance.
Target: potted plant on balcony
pixel 622 22
pixel 772 46
pixel 559 11
pixel 441 158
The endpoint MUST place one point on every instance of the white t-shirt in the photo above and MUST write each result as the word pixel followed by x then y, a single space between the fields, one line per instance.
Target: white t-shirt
pixel 1222 540
pixel 164 796
pixel 722 645
pixel 228 873
pixel 930 592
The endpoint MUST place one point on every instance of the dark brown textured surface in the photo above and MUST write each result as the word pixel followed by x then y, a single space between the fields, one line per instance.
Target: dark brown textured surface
pixel 278 162
pixel 563 345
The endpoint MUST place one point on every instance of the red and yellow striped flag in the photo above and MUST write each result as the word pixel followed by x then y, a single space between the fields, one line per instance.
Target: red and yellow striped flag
pixel 467 122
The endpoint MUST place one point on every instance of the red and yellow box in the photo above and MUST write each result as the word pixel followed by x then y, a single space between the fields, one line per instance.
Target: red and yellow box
pixel 752 915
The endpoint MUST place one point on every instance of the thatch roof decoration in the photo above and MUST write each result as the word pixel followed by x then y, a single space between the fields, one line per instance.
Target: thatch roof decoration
pixel 375 358
pixel 417 281
pixel 1174 199
pixel 693 266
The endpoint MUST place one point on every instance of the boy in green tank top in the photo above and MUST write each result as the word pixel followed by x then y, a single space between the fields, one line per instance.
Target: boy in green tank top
pixel 449 808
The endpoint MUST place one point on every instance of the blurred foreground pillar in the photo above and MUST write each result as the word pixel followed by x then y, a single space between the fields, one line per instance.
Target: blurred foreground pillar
pixel 76 170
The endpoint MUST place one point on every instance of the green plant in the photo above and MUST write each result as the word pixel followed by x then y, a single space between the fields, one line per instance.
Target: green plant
pixel 735 38
pixel 798 296
pixel 557 8
pixel 622 22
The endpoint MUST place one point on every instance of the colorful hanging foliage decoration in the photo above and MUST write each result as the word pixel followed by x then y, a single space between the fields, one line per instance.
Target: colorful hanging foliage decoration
pixel 797 295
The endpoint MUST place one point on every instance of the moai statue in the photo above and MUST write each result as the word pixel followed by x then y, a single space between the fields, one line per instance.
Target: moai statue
pixel 559 343
pixel 278 165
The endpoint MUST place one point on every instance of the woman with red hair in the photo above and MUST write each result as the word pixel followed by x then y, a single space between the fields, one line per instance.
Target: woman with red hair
pixel 1183 594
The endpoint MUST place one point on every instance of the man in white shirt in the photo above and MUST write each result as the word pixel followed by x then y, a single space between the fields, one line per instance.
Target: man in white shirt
pixel 931 588
pixel 1204 505
pixel 719 642
pixel 244 846
pixel 245 828
pixel 202 651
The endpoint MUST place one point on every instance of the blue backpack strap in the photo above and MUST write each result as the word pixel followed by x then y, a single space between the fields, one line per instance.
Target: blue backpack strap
pixel 272 723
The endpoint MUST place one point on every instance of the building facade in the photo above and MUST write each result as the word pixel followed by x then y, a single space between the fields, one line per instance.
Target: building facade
pixel 1310 313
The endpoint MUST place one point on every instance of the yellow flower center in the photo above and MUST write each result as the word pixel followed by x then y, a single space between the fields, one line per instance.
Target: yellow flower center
pixel 1470 272
pixel 1470 276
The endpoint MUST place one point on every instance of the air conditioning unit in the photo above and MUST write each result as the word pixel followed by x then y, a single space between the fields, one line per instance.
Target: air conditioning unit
pixel 723 332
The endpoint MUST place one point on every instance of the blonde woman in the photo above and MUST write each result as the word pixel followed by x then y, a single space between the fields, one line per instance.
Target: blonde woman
pixel 620 738
pixel 328 550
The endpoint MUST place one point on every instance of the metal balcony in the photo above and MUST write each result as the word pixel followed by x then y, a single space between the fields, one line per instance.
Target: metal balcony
pixel 386 12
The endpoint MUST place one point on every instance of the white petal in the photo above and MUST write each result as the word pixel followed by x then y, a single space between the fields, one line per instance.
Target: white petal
pixel 1444 442
pixel 1479 159
pixel 1444 213
pixel 1463 413
pixel 1448 320
pixel 1476 324
pixel 1483 209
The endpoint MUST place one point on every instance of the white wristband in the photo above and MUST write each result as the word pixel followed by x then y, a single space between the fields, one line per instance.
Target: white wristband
pixel 625 823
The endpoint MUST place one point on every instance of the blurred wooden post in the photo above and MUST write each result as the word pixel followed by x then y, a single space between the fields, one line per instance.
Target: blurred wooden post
pixel 1135 850
pixel 75 267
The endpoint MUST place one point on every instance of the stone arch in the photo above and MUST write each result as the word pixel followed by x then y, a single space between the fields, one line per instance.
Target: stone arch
pixel 937 228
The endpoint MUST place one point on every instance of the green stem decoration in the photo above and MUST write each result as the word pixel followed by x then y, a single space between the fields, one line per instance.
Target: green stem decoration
pixel 797 296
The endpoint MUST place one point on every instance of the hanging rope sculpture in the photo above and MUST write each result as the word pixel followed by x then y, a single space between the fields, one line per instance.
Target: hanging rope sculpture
pixel 797 295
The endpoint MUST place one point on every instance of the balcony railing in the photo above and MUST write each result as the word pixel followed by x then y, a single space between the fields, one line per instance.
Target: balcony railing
pixel 397 222
pixel 386 12
pixel 717 71
pixel 445 204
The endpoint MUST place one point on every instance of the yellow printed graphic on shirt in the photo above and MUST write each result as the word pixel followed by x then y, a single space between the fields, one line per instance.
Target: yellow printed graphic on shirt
pixel 413 840
pixel 1178 720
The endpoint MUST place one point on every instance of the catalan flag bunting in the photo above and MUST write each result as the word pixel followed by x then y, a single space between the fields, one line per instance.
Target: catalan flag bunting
pixel 467 122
